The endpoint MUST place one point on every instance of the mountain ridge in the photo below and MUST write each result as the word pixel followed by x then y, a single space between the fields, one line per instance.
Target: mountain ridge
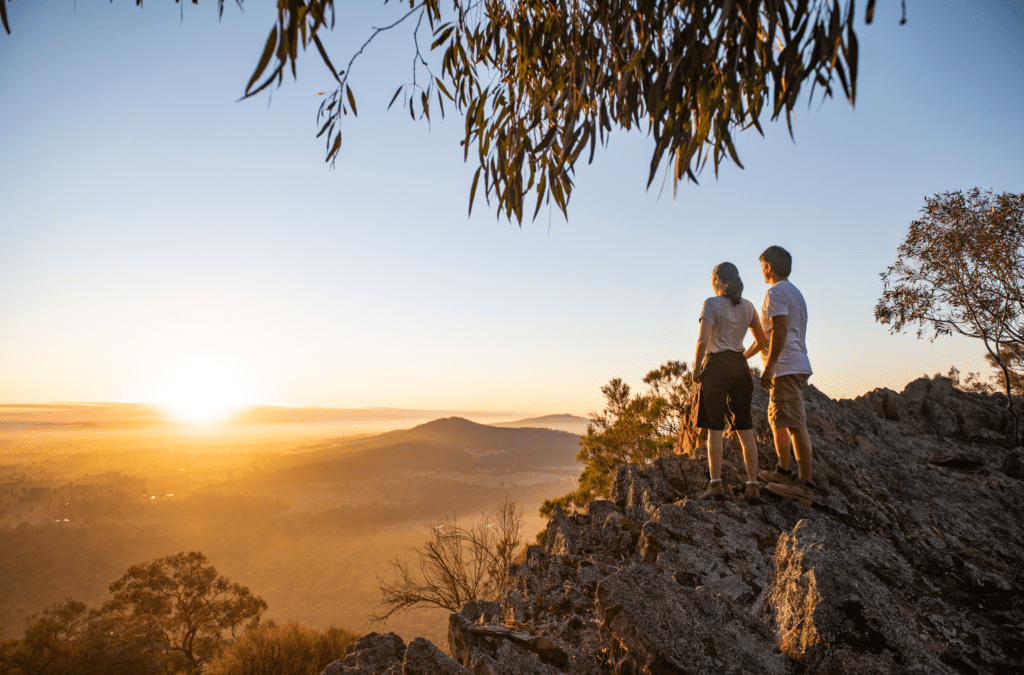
pixel 574 424
pixel 450 445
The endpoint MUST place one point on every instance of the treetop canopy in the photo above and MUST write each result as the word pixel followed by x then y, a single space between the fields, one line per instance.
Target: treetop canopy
pixel 541 82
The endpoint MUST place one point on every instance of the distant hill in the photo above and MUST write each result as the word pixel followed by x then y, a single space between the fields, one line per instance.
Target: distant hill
pixel 449 445
pixel 574 424
pixel 274 413
pixel 39 415
pixel 484 437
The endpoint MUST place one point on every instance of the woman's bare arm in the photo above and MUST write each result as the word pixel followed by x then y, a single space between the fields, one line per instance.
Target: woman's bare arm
pixel 760 341
pixel 702 346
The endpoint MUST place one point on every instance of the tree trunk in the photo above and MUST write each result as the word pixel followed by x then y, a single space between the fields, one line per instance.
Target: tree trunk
pixel 1012 426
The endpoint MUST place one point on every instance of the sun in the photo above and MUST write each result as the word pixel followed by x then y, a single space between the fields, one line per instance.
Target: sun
pixel 202 390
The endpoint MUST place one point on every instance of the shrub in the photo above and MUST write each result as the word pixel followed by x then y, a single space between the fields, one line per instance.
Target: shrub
pixel 70 639
pixel 290 649
pixel 632 428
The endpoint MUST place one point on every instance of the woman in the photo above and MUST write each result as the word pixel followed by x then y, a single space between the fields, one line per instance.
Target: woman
pixel 726 386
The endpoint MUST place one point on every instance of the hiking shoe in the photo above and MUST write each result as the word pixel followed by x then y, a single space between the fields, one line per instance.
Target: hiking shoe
pixel 774 476
pixel 798 491
pixel 715 491
pixel 753 495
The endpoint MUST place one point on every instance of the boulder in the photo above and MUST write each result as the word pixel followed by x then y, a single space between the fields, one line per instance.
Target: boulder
pixel 481 611
pixel 499 650
pixel 831 614
pixel 422 657
pixel 1013 465
pixel 669 628
pixel 373 654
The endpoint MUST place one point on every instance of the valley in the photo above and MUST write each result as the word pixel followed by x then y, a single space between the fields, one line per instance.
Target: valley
pixel 306 514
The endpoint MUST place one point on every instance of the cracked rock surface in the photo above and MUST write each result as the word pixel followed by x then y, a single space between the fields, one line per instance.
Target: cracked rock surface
pixel 910 560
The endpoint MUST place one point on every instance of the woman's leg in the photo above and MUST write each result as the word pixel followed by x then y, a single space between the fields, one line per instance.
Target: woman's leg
pixel 715 453
pixel 749 444
pixel 741 394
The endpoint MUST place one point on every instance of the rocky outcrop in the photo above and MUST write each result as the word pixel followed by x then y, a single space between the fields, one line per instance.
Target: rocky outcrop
pixel 387 654
pixel 910 560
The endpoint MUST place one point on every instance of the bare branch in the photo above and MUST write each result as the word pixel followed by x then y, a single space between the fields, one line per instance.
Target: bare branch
pixel 457 564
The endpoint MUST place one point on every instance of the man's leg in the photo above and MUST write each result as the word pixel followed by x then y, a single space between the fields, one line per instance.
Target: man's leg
pixel 802 450
pixel 789 421
pixel 782 447
pixel 801 489
pixel 780 474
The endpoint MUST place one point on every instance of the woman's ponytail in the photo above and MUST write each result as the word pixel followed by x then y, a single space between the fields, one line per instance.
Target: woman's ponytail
pixel 729 278
pixel 734 291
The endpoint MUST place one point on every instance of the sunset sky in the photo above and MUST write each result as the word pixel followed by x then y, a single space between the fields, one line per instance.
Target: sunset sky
pixel 159 239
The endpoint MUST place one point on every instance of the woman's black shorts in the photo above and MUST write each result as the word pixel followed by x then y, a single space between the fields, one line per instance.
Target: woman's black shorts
pixel 726 387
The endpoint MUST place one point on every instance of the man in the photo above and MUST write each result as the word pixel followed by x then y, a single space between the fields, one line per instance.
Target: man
pixel 786 369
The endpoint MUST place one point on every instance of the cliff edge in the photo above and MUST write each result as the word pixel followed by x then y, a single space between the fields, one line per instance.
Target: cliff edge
pixel 911 560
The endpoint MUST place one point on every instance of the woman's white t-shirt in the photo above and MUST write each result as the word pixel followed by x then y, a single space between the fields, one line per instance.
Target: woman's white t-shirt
pixel 728 323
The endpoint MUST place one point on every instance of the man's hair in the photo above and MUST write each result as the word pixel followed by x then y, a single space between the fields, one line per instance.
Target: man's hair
pixel 780 260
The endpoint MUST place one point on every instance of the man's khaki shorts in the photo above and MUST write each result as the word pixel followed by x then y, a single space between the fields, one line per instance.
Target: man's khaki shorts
pixel 786 404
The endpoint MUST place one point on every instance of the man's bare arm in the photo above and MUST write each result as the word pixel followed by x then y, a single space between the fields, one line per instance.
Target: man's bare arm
pixel 780 327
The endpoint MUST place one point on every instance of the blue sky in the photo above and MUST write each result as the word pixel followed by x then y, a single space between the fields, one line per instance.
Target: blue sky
pixel 157 234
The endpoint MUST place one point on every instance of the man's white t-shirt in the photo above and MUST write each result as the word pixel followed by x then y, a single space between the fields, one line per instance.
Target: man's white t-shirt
pixel 783 299
pixel 728 323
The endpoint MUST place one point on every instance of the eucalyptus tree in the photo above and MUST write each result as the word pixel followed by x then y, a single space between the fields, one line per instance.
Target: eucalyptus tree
pixel 961 270
pixel 170 615
pixel 185 600
pixel 541 82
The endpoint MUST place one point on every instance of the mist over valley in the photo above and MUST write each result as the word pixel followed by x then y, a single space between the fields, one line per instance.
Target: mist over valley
pixel 305 506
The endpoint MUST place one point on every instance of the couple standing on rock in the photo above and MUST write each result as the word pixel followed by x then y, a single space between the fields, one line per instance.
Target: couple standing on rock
pixel 727 387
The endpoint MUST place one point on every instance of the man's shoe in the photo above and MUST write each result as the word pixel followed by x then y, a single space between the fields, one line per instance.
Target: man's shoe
pixel 797 490
pixel 775 476
pixel 753 495
pixel 715 491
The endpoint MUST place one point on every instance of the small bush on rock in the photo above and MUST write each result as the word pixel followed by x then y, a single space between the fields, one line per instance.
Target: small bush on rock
pixel 633 428
pixel 290 649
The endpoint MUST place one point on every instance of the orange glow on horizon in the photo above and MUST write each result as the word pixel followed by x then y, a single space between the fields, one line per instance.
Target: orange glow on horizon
pixel 200 412
pixel 201 391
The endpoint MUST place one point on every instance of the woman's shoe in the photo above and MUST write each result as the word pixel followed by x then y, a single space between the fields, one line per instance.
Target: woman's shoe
pixel 715 491
pixel 753 495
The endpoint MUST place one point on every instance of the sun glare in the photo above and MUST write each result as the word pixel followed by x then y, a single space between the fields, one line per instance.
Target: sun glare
pixel 201 391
